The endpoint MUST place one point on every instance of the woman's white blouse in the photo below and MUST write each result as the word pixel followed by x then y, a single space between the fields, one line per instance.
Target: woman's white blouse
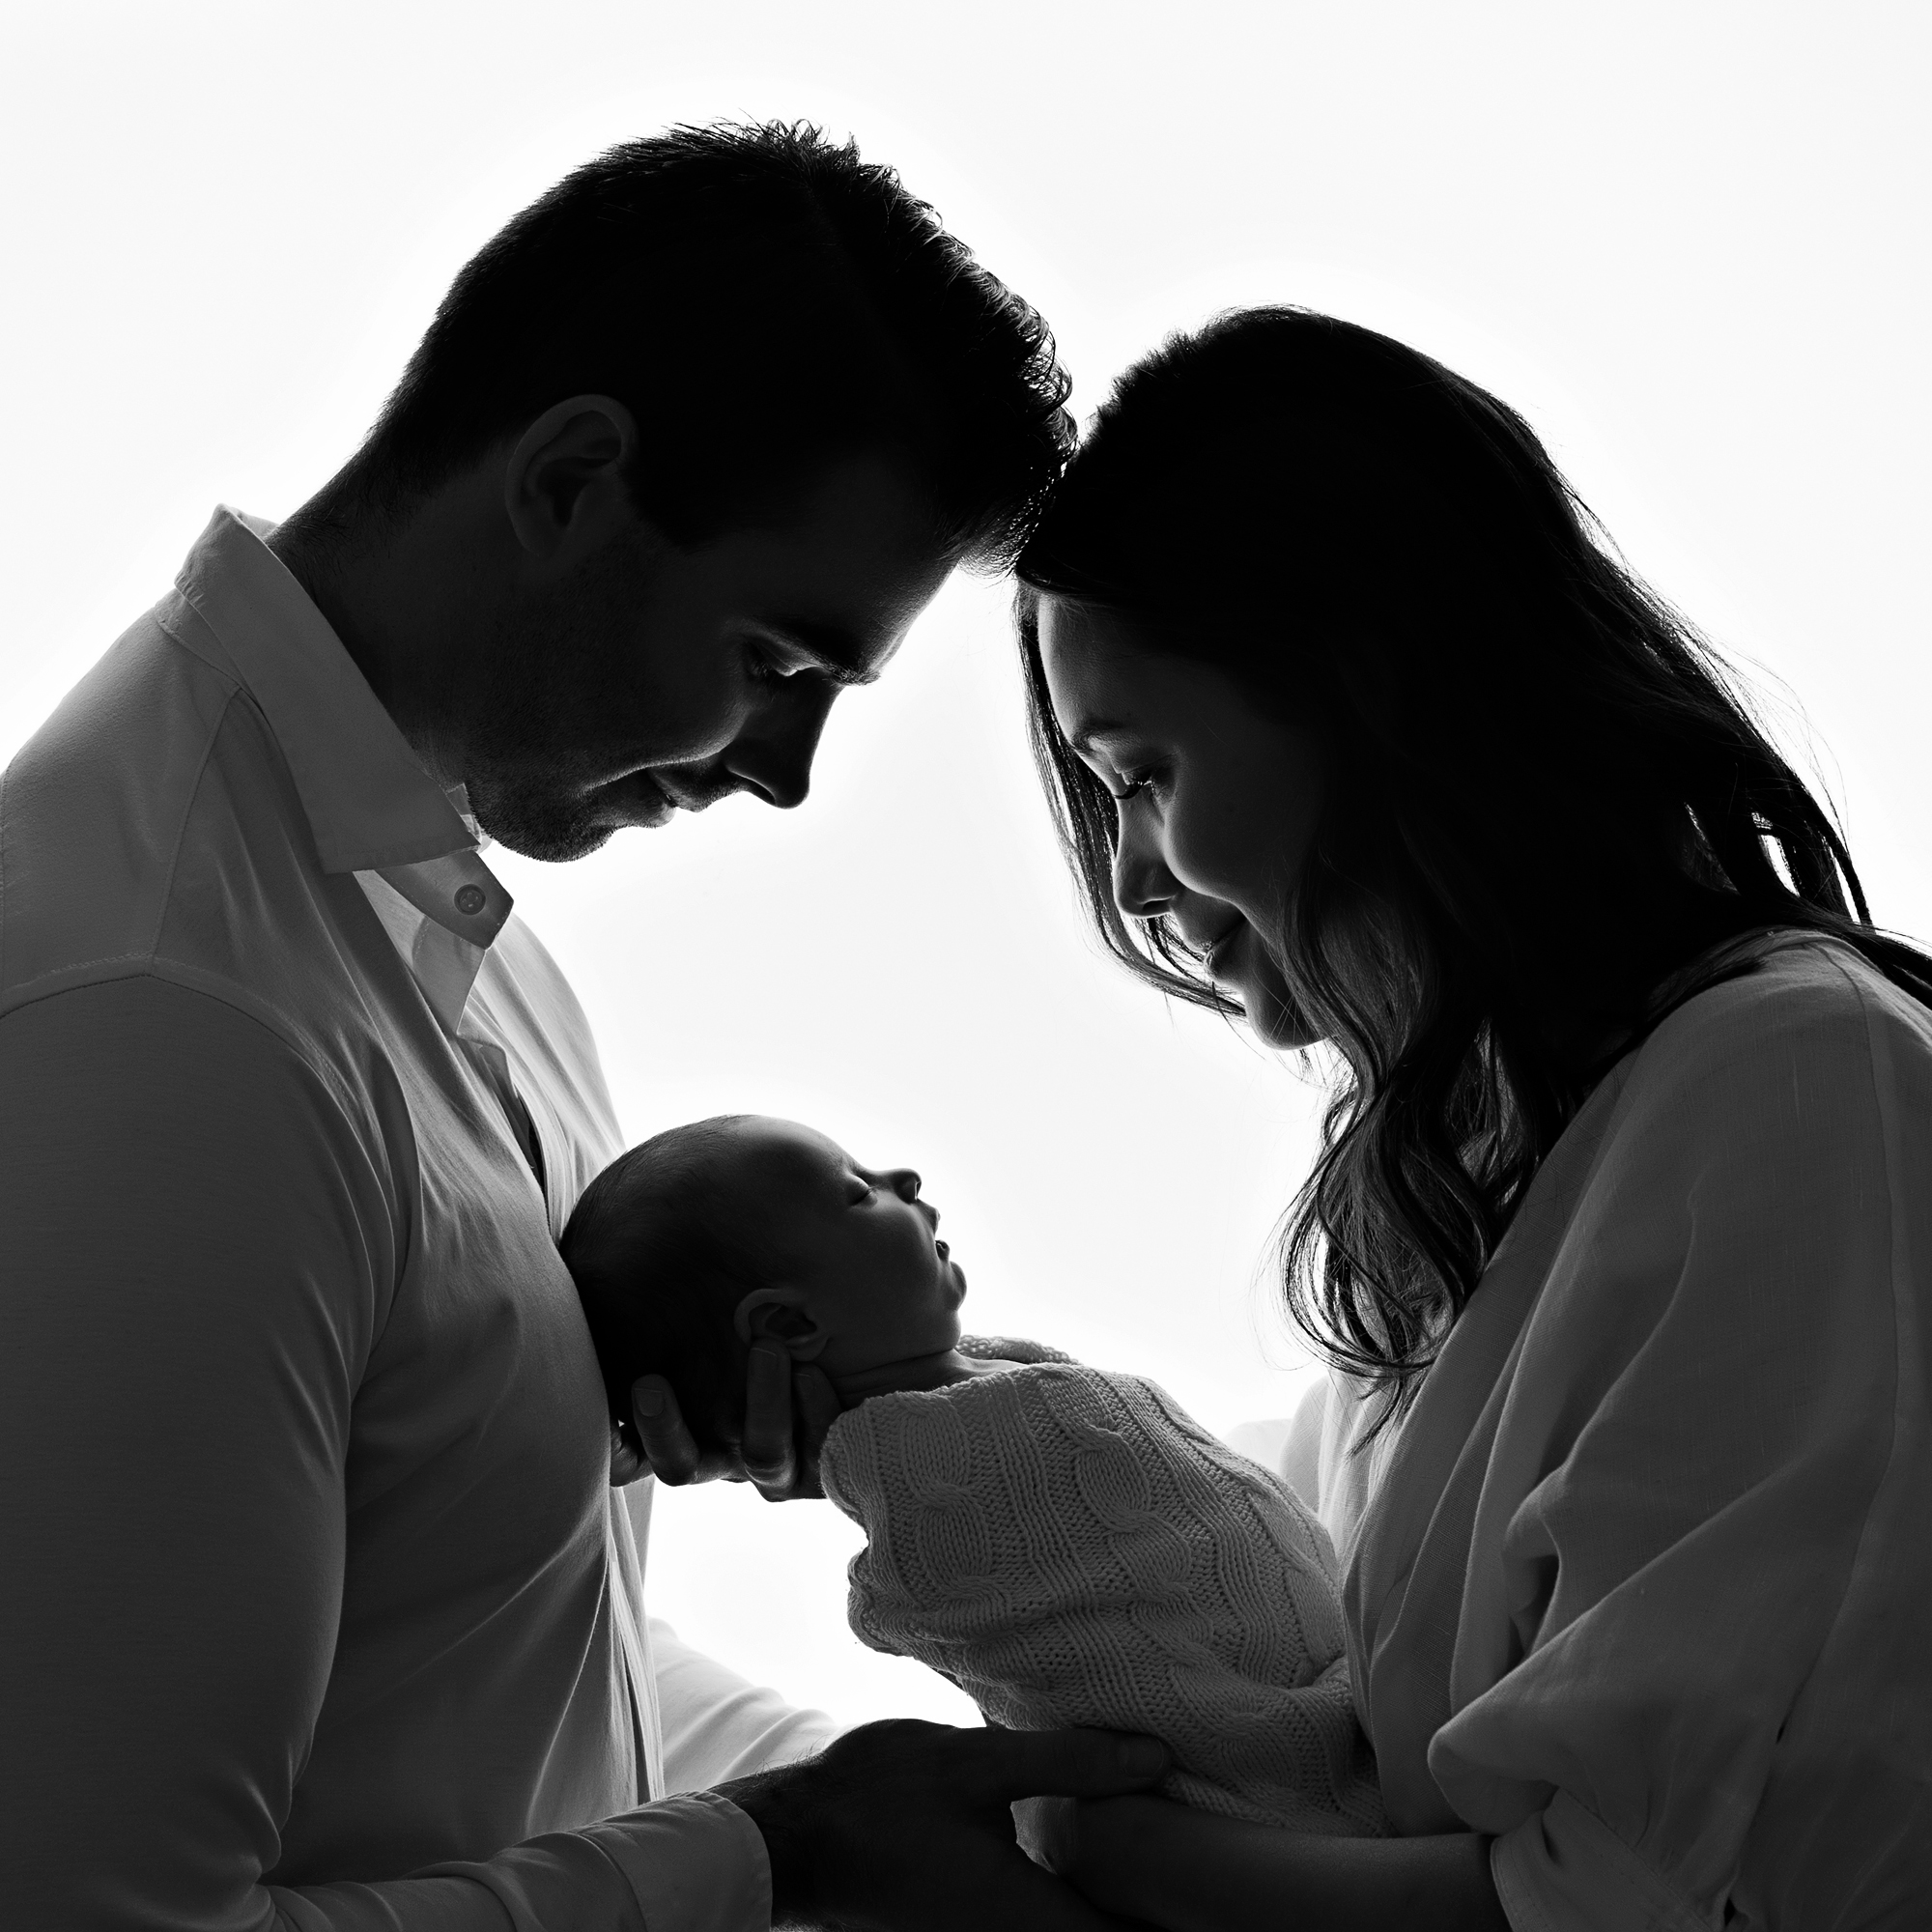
pixel 1645 1585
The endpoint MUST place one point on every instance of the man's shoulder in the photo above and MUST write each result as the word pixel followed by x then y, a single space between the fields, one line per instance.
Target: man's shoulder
pixel 153 752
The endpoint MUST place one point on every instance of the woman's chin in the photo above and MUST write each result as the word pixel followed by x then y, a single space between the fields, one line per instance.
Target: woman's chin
pixel 1275 1021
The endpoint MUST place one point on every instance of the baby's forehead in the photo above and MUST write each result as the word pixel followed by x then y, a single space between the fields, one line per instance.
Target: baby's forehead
pixel 768 1153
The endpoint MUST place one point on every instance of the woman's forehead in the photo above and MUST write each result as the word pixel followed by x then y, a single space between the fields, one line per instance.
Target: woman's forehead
pixel 1079 632
pixel 1089 655
pixel 1111 673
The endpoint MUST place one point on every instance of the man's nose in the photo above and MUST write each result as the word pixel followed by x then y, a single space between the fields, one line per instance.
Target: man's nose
pixel 1143 886
pixel 772 755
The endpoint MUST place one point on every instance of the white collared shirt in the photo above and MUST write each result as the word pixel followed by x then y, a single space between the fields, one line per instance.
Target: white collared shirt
pixel 319 1609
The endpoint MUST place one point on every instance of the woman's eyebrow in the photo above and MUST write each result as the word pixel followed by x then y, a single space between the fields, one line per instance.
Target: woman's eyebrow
pixel 1092 728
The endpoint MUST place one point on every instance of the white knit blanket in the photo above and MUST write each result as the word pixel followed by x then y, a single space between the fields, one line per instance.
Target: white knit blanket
pixel 1071 1547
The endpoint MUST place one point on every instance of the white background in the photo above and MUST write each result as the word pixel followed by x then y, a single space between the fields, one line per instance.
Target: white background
pixel 1686 240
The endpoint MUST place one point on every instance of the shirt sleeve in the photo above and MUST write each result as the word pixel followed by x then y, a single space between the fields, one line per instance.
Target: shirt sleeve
pixel 1711 1700
pixel 199 1241
pixel 719 1725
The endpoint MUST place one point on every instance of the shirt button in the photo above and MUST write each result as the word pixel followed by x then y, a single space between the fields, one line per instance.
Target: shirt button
pixel 471 900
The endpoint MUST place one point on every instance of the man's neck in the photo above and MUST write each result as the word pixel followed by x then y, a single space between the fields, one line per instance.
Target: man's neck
pixel 395 591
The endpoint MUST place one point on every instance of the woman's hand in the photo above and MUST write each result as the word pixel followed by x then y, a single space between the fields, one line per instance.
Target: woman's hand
pixel 1183 1870
pixel 1107 1848
pixel 909 1824
pixel 787 1410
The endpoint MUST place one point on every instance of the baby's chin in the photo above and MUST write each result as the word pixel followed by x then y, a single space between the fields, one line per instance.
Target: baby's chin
pixel 840 1362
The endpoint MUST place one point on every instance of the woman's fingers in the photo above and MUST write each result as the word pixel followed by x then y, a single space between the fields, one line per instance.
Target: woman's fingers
pixel 1045 1829
pixel 1029 1896
pixel 666 1444
pixel 766 1448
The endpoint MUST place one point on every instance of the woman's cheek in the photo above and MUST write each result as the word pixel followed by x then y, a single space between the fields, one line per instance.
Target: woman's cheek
pixel 1198 856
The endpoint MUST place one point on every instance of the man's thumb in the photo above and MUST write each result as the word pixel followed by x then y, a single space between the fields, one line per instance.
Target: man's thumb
pixel 1069 1764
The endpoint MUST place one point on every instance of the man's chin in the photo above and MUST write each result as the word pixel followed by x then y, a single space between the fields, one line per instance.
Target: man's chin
pixel 551 848
pixel 553 831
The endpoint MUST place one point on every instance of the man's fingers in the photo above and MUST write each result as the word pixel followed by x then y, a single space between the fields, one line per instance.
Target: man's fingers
pixel 767 1447
pixel 1006 1765
pixel 816 1406
pixel 625 1465
pixel 667 1443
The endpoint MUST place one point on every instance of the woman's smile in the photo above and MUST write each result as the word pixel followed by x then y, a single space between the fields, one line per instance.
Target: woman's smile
pixel 1215 798
pixel 1218 953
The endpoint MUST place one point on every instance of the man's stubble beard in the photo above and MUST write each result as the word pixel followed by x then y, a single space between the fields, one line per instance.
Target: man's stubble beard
pixel 541 675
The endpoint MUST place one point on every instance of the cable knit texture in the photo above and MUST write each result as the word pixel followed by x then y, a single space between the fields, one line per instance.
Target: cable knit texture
pixel 1070 1547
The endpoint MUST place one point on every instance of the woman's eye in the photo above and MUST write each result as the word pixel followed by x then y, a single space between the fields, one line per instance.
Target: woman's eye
pixel 761 668
pixel 1131 785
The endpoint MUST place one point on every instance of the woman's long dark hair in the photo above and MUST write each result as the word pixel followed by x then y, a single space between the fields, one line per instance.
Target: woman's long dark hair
pixel 1546 799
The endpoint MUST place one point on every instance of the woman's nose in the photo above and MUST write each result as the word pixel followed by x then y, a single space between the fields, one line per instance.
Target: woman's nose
pixel 1143 886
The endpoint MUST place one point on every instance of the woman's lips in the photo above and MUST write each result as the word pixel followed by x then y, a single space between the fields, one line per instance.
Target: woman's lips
pixel 1217 957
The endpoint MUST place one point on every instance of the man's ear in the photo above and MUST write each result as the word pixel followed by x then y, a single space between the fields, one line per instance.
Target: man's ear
pixel 780 1315
pixel 569 464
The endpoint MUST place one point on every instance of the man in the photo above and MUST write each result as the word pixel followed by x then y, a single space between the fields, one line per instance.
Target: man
pixel 319 1611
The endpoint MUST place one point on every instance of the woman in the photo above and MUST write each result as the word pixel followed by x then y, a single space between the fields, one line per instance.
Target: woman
pixel 1620 1230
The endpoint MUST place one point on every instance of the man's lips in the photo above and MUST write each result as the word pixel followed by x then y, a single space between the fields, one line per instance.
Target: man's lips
pixel 649 799
pixel 646 799
pixel 639 799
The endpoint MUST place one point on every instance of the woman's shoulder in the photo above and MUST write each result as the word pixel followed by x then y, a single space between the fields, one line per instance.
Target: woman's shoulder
pixel 1778 1006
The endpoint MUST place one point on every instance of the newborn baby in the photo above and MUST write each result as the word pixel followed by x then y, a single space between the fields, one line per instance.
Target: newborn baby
pixel 1066 1546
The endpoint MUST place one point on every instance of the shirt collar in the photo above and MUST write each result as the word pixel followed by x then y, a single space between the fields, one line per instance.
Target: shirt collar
pixel 370 803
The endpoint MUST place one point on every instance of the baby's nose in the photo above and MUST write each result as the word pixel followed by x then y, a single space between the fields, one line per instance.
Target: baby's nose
pixel 905 1183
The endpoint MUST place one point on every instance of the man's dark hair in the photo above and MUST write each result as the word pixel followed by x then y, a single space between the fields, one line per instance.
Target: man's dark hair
pixel 764 302
pixel 661 1254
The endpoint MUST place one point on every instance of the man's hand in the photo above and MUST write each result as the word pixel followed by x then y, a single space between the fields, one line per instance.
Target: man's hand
pixel 909 1826
pixel 787 1410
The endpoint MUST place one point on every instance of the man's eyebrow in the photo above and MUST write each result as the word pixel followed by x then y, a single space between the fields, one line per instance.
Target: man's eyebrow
pixel 834 652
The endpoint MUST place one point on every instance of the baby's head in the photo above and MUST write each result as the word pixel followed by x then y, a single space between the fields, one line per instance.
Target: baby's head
pixel 708 1237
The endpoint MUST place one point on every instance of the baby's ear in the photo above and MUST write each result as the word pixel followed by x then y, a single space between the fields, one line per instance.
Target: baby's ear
pixel 780 1315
